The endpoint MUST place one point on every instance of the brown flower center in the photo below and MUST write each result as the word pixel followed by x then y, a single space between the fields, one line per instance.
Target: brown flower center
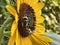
pixel 26 21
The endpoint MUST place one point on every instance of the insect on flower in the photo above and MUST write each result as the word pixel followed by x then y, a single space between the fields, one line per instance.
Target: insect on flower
pixel 27 20
pixel 26 24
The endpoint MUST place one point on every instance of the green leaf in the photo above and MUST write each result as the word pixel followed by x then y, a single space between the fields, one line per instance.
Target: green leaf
pixel 2 3
pixel 55 37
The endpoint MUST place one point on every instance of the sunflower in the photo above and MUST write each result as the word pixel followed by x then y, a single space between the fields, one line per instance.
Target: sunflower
pixel 25 28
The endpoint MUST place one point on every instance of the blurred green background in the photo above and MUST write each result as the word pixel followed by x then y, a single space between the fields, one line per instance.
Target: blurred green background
pixel 51 13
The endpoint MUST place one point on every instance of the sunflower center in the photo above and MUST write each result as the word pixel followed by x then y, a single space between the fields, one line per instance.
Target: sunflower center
pixel 26 21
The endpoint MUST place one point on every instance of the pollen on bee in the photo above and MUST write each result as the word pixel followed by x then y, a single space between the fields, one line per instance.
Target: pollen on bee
pixel 27 20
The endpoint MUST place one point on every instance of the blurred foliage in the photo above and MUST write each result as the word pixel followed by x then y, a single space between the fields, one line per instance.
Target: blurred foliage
pixel 5 22
pixel 55 37
pixel 51 13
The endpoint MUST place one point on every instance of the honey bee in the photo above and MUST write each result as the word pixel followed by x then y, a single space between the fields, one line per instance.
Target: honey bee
pixel 26 20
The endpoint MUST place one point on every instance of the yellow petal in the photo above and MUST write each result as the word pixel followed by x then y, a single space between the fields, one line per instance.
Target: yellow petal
pixel 18 5
pixel 37 8
pixel 45 38
pixel 18 38
pixel 39 19
pixel 38 37
pixel 22 1
pixel 40 5
pixel 28 41
pixel 35 40
pixel 40 29
pixel 30 2
pixel 25 40
pixel 38 41
pixel 12 39
pixel 12 11
pixel 33 1
pixel 37 13
pixel 22 40
pixel 14 27
pixel 19 2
